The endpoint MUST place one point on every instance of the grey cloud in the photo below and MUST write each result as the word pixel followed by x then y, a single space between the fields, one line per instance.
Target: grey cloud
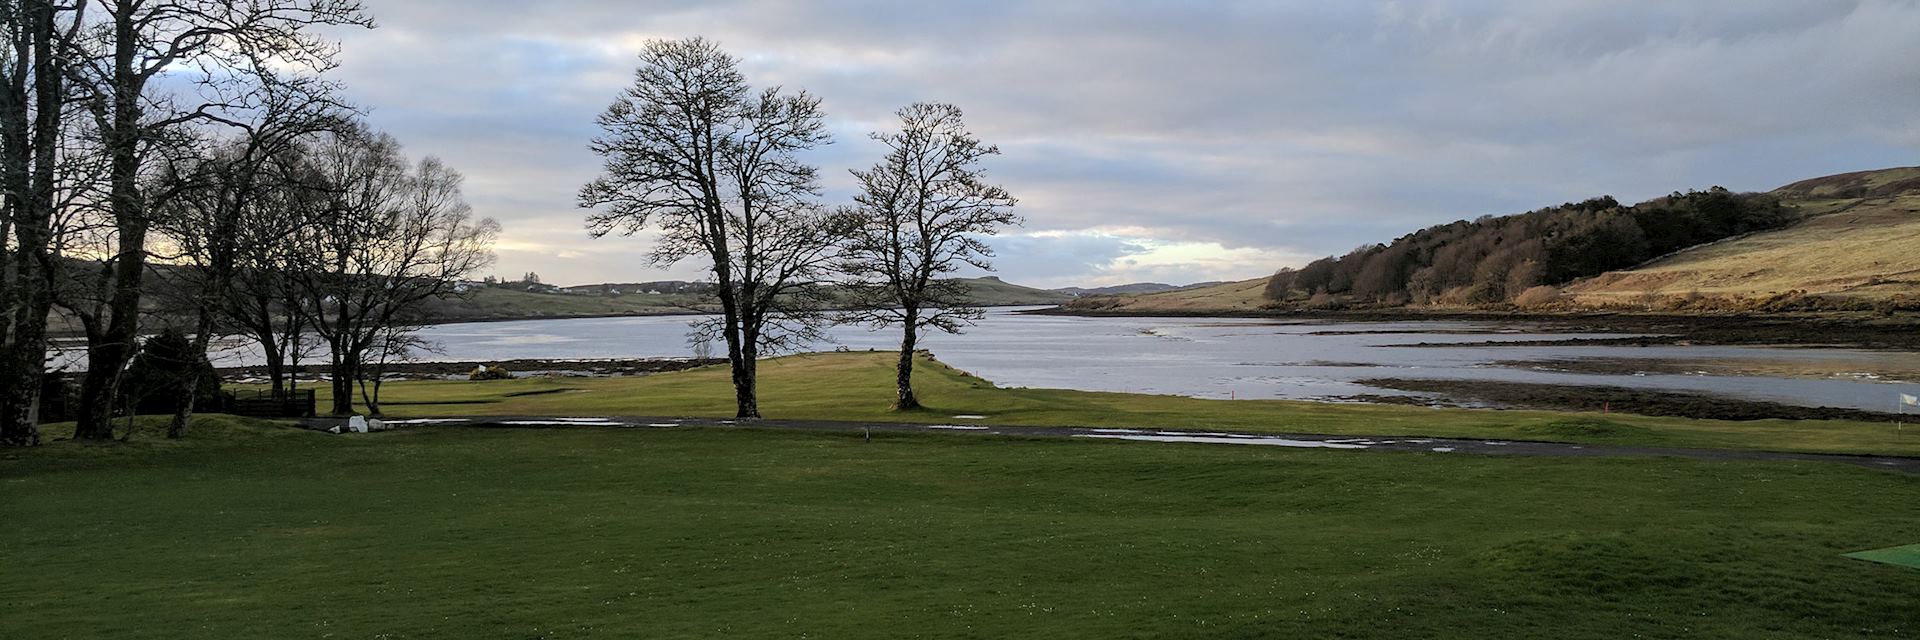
pixel 1291 127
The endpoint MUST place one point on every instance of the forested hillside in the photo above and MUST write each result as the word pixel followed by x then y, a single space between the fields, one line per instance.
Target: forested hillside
pixel 1858 244
pixel 1499 259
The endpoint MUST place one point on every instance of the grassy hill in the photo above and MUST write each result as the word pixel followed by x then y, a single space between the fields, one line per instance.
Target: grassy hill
pixel 991 291
pixel 1137 287
pixel 1852 241
pixel 1860 238
pixel 1226 297
pixel 503 304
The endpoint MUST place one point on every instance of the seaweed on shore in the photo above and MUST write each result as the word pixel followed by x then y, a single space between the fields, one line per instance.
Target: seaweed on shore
pixel 1527 395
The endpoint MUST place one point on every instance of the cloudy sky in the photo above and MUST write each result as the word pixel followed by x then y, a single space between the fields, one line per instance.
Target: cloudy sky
pixel 1179 141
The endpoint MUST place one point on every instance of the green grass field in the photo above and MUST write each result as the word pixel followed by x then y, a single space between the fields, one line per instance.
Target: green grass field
pixel 247 531
pixel 858 386
pixel 252 529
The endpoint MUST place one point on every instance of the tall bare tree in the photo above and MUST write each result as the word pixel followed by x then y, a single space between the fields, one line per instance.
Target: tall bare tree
pixel 226 50
pixel 265 303
pixel 393 236
pixel 34 98
pixel 920 213
pixel 230 203
pixel 695 155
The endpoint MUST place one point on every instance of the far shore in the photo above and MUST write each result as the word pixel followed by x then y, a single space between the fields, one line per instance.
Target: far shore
pixel 1899 332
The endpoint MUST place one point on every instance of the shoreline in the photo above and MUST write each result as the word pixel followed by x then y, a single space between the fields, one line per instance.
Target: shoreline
pixel 1894 333
pixel 1500 395
pixel 519 367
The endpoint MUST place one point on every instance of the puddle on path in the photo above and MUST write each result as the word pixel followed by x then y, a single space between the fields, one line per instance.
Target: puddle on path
pixel 1226 439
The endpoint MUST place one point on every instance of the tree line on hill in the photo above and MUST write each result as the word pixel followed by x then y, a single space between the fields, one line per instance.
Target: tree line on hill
pixel 1511 258
pixel 196 149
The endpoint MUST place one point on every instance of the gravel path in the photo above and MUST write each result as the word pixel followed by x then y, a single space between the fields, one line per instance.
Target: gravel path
pixel 961 425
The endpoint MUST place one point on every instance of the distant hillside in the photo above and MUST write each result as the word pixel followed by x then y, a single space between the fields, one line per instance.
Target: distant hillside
pixel 493 303
pixel 649 288
pixel 657 298
pixel 1859 238
pixel 1119 289
pixel 991 291
pixel 1849 241
pixel 1496 260
pixel 1223 297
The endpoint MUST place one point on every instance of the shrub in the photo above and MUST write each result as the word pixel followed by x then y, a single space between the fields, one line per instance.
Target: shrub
pixel 1536 297
pixel 490 372
pixel 156 381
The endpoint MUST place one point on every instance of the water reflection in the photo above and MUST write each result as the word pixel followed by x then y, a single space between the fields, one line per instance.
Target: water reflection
pixel 1255 358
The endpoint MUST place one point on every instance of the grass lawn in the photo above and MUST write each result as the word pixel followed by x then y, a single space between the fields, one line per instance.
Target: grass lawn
pixel 245 531
pixel 858 386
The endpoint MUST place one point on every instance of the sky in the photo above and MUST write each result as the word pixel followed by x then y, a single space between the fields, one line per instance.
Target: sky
pixel 1177 142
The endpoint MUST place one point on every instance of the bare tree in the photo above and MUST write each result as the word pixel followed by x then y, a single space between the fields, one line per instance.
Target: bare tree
pixel 227 51
pixel 393 236
pixel 395 344
pixel 695 155
pixel 921 211
pixel 231 209
pixel 265 302
pixel 35 98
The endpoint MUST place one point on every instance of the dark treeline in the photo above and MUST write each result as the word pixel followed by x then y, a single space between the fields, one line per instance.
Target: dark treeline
pixel 1497 259
pixel 172 171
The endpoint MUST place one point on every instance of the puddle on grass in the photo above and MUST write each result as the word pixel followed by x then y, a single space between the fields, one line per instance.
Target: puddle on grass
pixel 968 416
pixel 1225 439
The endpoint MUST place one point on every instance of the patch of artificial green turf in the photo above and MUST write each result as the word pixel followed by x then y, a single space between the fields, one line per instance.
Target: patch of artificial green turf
pixel 1907 556
pixel 859 386
pixel 248 531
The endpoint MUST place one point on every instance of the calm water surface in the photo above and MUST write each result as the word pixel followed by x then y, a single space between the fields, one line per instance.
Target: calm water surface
pixel 1241 358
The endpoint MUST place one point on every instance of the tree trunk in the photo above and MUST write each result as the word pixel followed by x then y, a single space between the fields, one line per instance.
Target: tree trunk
pixel 276 367
pixel 98 389
pixel 190 388
pixel 903 378
pixel 746 391
pixel 745 383
pixel 25 375
pixel 30 178
pixel 26 358
pixel 22 420
pixel 107 355
pixel 344 373
pixel 370 395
